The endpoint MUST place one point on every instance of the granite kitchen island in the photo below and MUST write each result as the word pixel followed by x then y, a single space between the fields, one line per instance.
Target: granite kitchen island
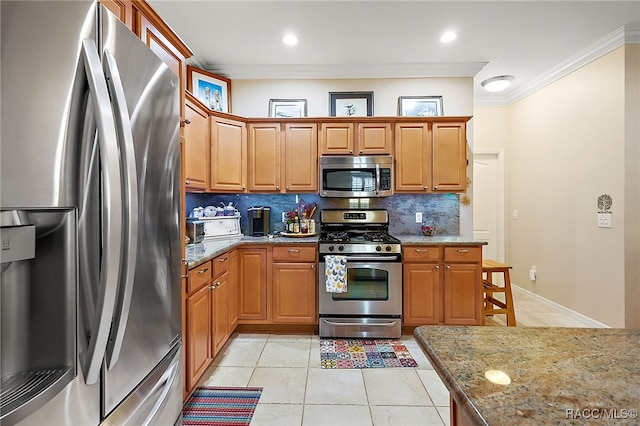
pixel 558 376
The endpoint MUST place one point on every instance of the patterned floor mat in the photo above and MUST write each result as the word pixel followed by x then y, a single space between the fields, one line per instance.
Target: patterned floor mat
pixel 348 353
pixel 221 406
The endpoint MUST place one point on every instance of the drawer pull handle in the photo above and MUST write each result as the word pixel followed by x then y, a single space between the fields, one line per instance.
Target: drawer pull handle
pixel 462 251
pixel 202 271
pixel 294 251
pixel 448 267
pixel 224 259
pixel 421 250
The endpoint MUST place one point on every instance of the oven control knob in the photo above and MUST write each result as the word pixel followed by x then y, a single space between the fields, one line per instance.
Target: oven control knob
pixel 378 248
pixel 388 248
pixel 331 248
pixel 341 248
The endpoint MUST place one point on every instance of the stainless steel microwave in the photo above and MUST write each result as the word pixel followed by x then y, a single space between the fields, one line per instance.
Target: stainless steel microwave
pixel 356 176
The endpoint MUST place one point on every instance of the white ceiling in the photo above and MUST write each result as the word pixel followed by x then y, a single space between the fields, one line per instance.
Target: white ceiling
pixel 399 39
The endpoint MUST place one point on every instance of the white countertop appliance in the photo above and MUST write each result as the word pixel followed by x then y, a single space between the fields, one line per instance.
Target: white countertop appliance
pixel 219 227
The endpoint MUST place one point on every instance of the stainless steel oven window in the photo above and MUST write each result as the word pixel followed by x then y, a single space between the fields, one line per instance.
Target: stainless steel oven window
pixel 365 284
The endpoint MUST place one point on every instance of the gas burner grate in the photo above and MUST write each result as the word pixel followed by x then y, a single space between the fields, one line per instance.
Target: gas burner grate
pixel 337 236
pixel 378 237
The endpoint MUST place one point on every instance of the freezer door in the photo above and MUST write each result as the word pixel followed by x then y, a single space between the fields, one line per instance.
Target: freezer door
pixel 148 321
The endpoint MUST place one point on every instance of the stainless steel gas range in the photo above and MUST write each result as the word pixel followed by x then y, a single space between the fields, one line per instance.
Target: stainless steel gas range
pixel 372 305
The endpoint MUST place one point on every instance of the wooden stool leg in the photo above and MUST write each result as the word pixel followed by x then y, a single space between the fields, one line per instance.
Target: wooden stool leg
pixel 511 314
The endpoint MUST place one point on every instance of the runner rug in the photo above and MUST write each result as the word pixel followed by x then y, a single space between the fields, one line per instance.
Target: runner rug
pixel 365 354
pixel 221 406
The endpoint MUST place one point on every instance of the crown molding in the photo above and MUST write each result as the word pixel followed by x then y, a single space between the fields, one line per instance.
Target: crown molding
pixel 336 71
pixel 629 34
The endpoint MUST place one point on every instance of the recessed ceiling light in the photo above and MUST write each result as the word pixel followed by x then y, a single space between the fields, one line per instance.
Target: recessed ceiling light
pixel 448 37
pixel 290 40
pixel 497 84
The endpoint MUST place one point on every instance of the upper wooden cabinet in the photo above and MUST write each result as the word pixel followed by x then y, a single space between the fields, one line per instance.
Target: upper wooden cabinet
pixel 362 138
pixel 430 157
pixel 301 157
pixel 449 157
pixel 336 138
pixel 196 150
pixel 228 160
pixel 283 161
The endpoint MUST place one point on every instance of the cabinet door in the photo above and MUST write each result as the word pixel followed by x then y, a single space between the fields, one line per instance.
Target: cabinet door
pixel 449 157
pixel 294 293
pixel 220 316
pixel 413 157
pixel 422 294
pixel 301 158
pixel 375 138
pixel 463 294
pixel 336 138
pixel 196 150
pixel 253 284
pixel 228 155
pixel 198 337
pixel 264 157
pixel 234 289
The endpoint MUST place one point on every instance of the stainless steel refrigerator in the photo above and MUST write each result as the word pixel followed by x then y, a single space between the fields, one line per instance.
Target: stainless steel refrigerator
pixel 89 200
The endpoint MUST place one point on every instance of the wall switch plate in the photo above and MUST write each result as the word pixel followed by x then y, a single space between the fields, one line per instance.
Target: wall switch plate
pixel 514 214
pixel 418 217
pixel 284 217
pixel 604 220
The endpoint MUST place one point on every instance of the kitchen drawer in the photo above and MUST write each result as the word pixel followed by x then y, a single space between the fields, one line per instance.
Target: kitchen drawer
pixel 294 254
pixel 463 254
pixel 199 276
pixel 220 265
pixel 421 253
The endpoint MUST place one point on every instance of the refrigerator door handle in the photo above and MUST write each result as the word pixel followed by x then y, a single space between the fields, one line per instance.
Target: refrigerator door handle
pixel 130 211
pixel 111 213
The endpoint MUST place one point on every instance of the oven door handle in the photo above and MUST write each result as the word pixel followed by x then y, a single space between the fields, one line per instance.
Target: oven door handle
pixel 372 258
pixel 384 324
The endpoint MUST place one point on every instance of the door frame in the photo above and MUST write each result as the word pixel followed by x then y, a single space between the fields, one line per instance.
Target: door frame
pixel 501 235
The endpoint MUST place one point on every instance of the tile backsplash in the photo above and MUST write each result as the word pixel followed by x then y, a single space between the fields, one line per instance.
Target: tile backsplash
pixel 442 209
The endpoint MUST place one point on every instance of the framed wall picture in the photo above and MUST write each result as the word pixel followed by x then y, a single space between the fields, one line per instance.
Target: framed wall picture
pixel 287 108
pixel 351 104
pixel 211 89
pixel 420 106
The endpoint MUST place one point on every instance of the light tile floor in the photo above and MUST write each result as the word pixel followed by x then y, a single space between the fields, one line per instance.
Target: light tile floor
pixel 296 391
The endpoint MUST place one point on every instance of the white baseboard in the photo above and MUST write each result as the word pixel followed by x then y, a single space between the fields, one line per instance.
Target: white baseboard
pixel 558 307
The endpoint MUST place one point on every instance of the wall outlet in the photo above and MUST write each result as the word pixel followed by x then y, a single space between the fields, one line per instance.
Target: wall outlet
pixel 418 217
pixel 284 217
pixel 514 214
pixel 532 273
pixel 604 220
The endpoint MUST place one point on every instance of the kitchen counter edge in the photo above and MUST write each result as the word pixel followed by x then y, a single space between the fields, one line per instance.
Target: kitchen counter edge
pixel 199 253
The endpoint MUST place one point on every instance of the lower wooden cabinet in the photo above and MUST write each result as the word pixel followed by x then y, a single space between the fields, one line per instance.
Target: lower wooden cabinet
pixel 198 330
pixel 252 303
pixel 211 313
pixel 442 285
pixel 294 295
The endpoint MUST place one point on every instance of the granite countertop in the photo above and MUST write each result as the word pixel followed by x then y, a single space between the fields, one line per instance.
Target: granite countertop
pixel 438 240
pixel 201 252
pixel 559 376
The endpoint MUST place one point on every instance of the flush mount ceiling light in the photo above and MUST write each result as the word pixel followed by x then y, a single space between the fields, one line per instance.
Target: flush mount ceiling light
pixel 497 84
pixel 448 37
pixel 290 40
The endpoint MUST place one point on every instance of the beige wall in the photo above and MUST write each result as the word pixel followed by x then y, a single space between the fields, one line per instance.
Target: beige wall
pixel 632 186
pixel 565 145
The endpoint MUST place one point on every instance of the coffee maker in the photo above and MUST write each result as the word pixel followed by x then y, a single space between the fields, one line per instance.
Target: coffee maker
pixel 258 220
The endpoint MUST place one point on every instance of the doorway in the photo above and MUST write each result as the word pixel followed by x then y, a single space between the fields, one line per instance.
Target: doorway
pixel 489 202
